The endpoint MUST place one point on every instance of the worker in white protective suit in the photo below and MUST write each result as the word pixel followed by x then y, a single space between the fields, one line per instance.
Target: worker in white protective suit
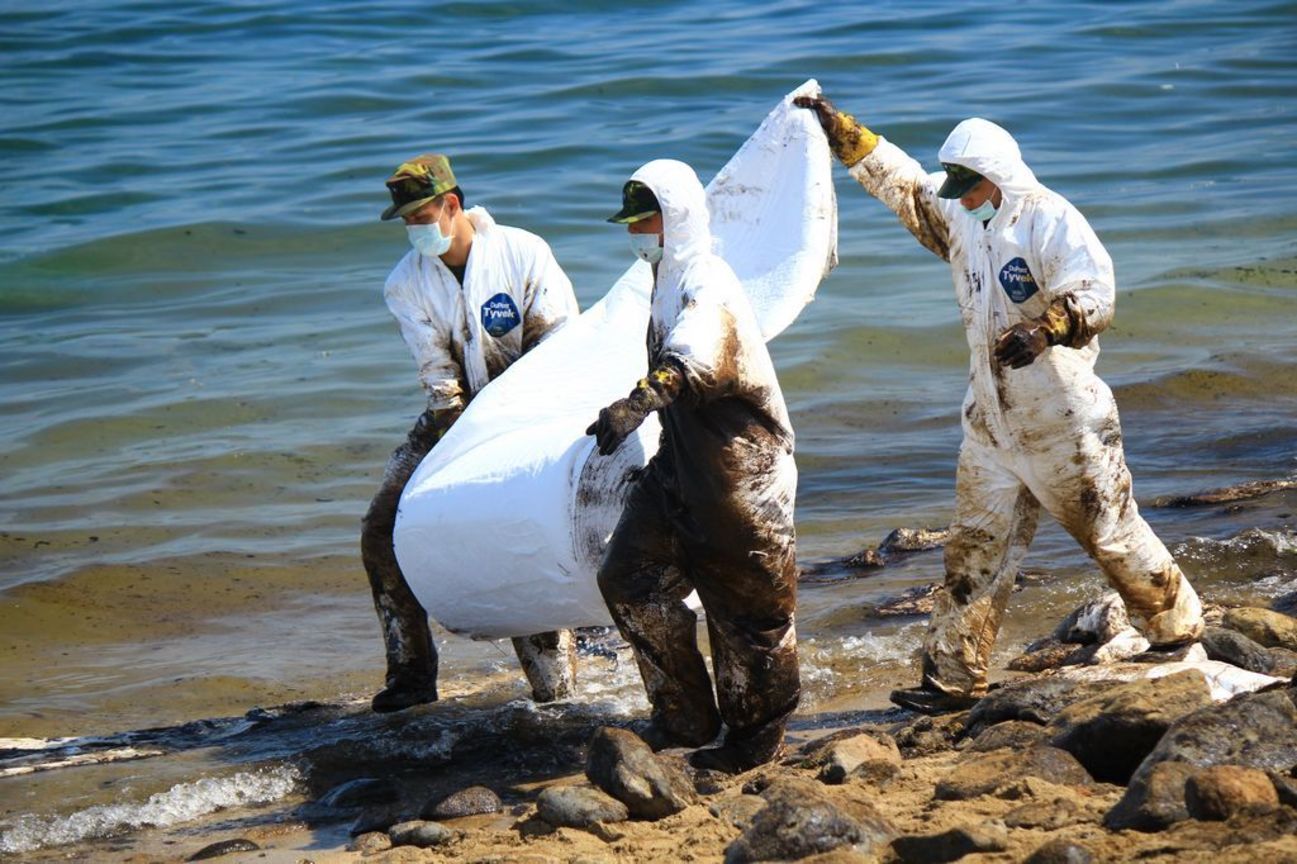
pixel 471 298
pixel 1035 286
pixel 713 509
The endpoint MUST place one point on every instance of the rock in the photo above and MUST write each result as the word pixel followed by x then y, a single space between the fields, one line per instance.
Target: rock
pixel 1154 800
pixel 377 818
pixel 1060 850
pixel 223 847
pixel 1285 603
pixel 951 845
pixel 1048 654
pixel 1285 788
pixel 797 822
pixel 986 772
pixel 1037 700
pixel 1100 620
pixel 1110 733
pixel 1018 734
pixel 1219 792
pixel 370 843
pixel 924 736
pixel 1238 492
pixel 738 810
pixel 1045 815
pixel 473 801
pixel 918 600
pixel 913 540
pixel 1285 662
pixel 622 765
pixel 424 835
pixel 1255 730
pixel 845 757
pixel 1267 628
pixel 1230 646
pixel 578 807
pixel 1126 644
pixel 361 792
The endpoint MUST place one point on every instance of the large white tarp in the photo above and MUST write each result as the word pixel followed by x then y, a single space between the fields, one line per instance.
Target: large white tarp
pixel 502 528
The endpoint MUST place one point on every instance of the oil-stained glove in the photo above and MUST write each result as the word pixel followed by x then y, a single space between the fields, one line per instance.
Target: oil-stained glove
pixel 1021 344
pixel 624 416
pixel 849 140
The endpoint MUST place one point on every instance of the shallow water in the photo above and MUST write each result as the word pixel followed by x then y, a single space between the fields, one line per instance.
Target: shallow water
pixel 201 384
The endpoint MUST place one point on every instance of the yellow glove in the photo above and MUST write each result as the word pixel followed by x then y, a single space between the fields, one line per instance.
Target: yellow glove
pixel 849 140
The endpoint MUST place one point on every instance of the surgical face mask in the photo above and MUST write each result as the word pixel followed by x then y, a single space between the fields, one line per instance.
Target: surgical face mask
pixel 646 247
pixel 428 239
pixel 983 212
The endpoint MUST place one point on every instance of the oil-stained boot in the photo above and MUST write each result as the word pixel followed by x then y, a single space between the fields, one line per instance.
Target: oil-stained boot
pixel 549 662
pixel 929 701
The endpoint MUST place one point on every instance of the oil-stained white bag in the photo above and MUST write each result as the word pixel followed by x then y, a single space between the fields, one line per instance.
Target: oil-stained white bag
pixel 502 528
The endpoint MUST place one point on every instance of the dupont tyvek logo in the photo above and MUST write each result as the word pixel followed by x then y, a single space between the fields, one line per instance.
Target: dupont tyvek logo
pixel 500 315
pixel 1017 280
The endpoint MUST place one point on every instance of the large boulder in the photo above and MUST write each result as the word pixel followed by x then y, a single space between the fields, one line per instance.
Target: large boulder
pixel 1256 730
pixel 1263 626
pixel 799 821
pixel 1222 791
pixel 983 773
pixel 951 845
pixel 1230 646
pixel 1110 733
pixel 622 765
pixel 1037 700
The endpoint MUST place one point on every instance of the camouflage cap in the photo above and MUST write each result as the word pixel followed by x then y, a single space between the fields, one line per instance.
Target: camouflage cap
pixel 637 202
pixel 417 181
pixel 958 181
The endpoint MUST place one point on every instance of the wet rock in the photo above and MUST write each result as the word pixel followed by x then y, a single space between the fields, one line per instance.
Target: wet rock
pixel 370 843
pixel 927 735
pixel 473 801
pixel 1230 646
pixel 915 601
pixel 1154 800
pixel 1226 495
pixel 904 540
pixel 1036 700
pixel 798 821
pixel 424 835
pixel 1097 621
pixel 951 845
pixel 1018 734
pixel 1110 733
pixel 737 810
pixel 872 757
pixel 1266 628
pixel 1046 815
pixel 983 773
pixel 622 765
pixel 579 807
pixel 1255 730
pixel 1060 850
pixel 361 792
pixel 1285 603
pixel 223 847
pixel 1219 792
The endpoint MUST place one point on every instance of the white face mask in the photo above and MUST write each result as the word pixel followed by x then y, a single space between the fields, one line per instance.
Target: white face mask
pixel 646 247
pixel 428 239
pixel 983 212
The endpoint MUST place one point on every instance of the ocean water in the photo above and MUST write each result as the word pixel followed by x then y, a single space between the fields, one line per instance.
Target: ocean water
pixel 200 382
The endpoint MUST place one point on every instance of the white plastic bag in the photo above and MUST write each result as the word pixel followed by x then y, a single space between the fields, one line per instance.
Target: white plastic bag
pixel 502 528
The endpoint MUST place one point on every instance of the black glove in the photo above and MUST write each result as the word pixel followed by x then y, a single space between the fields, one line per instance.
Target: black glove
pixel 615 424
pixel 624 416
pixel 1021 344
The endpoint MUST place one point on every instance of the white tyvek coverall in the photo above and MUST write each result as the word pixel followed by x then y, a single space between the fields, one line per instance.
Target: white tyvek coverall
pixel 1046 435
pixel 713 510
pixel 462 336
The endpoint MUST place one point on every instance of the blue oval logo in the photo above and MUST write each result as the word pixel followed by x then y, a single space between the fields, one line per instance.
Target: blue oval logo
pixel 1017 280
pixel 500 315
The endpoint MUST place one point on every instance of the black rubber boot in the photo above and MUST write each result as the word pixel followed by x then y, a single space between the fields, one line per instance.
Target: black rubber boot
pixel 926 701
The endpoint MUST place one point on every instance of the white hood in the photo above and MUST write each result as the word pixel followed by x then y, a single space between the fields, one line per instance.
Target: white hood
pixel 686 228
pixel 990 150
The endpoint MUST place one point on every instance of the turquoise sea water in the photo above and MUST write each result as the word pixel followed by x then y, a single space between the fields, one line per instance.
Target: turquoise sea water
pixel 200 382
